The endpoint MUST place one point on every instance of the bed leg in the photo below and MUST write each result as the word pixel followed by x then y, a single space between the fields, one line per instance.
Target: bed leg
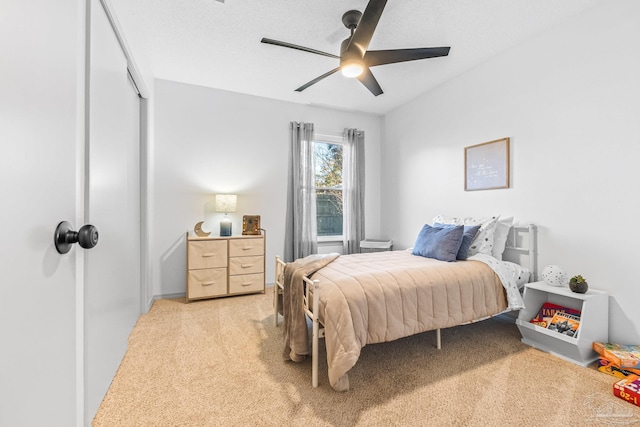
pixel 315 337
pixel 314 353
pixel 438 339
pixel 278 287
pixel 275 303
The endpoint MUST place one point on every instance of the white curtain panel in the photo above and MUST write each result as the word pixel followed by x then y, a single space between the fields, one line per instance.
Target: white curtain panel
pixel 301 232
pixel 353 189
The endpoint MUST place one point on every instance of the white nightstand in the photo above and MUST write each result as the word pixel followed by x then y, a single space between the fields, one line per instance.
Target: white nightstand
pixel 594 321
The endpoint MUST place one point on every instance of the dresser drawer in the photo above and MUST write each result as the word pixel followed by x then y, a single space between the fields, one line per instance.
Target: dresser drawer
pixel 246 247
pixel 207 254
pixel 246 265
pixel 246 283
pixel 222 266
pixel 206 283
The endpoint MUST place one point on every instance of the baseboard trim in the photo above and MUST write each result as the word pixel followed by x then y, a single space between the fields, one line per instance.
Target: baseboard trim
pixel 170 296
pixel 182 295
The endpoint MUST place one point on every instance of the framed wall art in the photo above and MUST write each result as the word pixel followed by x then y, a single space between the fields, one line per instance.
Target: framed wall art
pixel 250 224
pixel 486 166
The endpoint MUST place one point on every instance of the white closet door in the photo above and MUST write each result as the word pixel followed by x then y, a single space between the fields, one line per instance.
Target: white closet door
pixel 112 287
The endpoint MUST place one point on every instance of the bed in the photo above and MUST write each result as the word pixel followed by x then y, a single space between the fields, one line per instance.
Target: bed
pixel 361 299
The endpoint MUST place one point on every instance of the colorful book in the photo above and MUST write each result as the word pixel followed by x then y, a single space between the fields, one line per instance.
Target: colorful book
pixel 565 324
pixel 605 365
pixel 546 312
pixel 625 356
pixel 628 389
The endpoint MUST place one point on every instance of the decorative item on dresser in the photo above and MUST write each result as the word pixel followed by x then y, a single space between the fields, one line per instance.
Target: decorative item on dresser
pixel 250 225
pixel 197 229
pixel 226 203
pixel 224 266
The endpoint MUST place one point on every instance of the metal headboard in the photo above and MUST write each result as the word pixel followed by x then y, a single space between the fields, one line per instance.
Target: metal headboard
pixel 522 248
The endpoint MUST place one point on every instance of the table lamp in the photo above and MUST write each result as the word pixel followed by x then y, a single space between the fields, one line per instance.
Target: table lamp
pixel 226 203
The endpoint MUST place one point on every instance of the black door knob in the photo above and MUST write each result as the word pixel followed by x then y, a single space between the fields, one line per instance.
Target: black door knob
pixel 64 237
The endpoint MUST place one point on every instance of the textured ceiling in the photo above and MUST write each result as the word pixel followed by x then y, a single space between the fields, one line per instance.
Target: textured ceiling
pixel 214 44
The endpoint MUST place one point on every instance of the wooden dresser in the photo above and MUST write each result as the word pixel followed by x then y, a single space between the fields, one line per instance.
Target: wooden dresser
pixel 223 266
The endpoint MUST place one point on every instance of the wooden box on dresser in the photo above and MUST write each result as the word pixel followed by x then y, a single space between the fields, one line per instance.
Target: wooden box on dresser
pixel 224 266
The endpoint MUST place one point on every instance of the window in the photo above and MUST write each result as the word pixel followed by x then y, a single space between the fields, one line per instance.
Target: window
pixel 334 213
pixel 328 181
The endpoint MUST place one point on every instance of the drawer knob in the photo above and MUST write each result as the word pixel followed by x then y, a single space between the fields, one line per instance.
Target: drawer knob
pixel 208 283
pixel 247 265
pixel 247 284
pixel 208 254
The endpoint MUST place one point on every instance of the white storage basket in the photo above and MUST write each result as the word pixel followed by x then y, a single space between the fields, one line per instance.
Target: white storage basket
pixel 374 245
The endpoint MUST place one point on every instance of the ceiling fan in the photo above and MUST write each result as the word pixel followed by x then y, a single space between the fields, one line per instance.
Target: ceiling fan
pixel 355 59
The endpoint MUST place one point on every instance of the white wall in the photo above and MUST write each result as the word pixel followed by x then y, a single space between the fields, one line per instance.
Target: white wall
pixel 209 141
pixel 569 101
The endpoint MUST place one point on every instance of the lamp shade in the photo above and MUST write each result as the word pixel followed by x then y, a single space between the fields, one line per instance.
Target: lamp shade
pixel 226 202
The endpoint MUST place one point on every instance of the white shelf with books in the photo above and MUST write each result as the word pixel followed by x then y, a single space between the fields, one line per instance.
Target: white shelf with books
pixel 575 346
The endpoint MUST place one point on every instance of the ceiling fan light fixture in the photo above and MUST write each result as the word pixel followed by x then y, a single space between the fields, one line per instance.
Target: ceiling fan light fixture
pixel 355 57
pixel 351 69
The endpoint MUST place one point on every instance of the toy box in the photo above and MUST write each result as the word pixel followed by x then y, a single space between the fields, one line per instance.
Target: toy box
pixel 628 389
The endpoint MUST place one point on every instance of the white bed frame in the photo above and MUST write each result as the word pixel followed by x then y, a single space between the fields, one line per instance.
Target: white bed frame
pixel 521 248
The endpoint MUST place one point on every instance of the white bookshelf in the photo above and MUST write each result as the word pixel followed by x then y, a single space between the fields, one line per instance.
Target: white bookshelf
pixel 594 321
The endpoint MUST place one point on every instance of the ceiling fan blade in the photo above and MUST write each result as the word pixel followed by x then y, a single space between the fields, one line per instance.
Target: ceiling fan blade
pixel 316 80
pixel 381 57
pixel 295 46
pixel 366 27
pixel 370 82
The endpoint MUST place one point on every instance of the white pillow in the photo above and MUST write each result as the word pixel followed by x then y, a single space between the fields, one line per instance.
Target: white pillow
pixel 500 236
pixel 483 242
pixel 520 274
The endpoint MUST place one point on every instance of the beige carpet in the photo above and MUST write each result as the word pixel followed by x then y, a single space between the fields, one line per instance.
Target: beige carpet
pixel 218 363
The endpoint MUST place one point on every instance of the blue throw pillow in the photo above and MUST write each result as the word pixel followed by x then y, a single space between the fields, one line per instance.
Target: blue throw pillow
pixel 441 243
pixel 468 235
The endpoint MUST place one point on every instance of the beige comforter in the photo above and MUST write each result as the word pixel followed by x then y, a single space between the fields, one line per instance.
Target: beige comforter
pixel 383 296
